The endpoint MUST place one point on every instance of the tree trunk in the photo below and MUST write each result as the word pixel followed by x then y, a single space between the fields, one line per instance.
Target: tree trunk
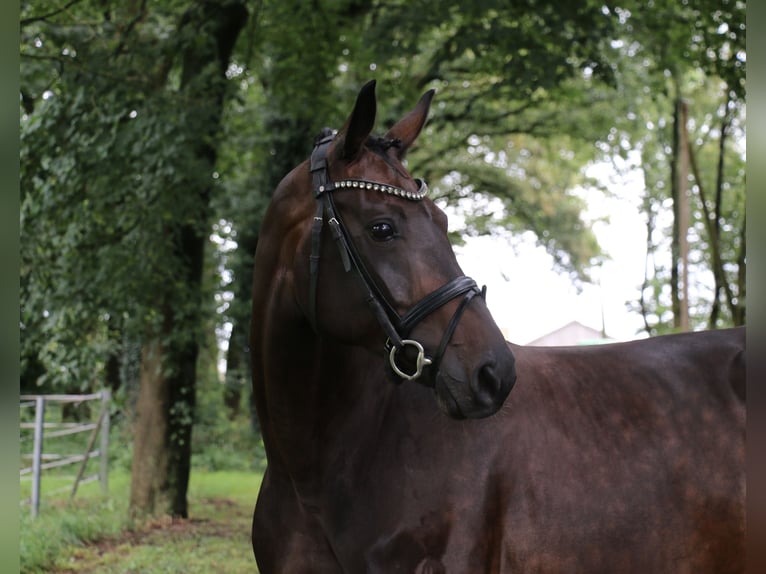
pixel 713 227
pixel 237 369
pixel 739 318
pixel 148 488
pixel 684 215
pixel 642 301
pixel 165 406
pixel 679 275
pixel 238 373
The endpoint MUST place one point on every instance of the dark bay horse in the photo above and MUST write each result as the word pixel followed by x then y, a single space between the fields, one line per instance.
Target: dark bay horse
pixel 622 458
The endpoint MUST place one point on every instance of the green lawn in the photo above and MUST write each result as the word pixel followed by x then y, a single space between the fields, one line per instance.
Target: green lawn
pixel 93 535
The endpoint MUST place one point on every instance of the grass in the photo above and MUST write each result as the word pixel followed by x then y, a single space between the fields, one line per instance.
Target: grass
pixel 93 535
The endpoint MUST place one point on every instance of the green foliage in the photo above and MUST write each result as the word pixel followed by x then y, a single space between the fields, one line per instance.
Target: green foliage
pixel 514 50
pixel 523 93
pixel 111 173
pixel 220 442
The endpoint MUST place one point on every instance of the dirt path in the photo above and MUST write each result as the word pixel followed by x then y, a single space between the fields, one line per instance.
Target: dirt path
pixel 216 539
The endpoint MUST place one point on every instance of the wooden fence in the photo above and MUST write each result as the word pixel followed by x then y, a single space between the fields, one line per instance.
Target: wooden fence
pixel 42 430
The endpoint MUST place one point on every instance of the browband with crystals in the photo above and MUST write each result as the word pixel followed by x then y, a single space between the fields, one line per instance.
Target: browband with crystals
pixel 381 187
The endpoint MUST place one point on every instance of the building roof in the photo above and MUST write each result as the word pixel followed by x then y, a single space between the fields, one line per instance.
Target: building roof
pixel 573 333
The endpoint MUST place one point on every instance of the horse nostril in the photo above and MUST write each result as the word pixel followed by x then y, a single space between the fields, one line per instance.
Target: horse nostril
pixel 487 382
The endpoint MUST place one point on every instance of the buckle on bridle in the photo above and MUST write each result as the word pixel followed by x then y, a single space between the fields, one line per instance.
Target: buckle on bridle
pixel 420 362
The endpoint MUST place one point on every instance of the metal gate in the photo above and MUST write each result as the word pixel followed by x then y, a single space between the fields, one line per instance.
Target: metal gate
pixel 49 430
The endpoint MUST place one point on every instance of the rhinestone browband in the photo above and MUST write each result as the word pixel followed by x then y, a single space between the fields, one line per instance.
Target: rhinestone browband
pixel 382 187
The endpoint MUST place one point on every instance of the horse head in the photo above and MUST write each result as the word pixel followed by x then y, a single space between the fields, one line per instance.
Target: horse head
pixel 365 254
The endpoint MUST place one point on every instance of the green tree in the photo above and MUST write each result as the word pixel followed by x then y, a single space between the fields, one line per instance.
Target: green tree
pixel 119 134
pixel 523 93
pixel 678 61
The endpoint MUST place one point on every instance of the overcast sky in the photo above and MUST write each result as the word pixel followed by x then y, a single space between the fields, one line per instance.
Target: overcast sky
pixel 528 299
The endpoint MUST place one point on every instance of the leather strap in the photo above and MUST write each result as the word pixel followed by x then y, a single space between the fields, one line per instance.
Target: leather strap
pixel 435 300
pixel 437 359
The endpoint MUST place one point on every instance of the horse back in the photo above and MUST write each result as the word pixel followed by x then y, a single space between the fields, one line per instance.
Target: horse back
pixel 637 447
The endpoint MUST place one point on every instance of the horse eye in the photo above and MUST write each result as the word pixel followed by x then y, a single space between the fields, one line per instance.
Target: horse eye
pixel 382 231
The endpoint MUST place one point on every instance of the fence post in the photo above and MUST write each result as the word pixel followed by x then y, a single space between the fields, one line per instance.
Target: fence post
pixel 37 454
pixel 104 472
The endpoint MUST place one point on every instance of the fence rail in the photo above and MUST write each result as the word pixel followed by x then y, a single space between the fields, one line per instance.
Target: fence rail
pixel 57 460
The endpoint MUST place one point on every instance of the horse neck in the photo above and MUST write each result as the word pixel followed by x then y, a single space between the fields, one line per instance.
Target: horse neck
pixel 305 387
pixel 308 390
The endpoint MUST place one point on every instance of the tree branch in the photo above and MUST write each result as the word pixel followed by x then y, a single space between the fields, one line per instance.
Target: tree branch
pixel 64 8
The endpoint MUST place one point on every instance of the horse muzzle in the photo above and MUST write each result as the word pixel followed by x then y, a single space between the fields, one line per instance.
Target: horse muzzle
pixel 482 395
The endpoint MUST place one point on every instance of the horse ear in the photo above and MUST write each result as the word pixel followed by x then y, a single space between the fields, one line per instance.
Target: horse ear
pixel 408 128
pixel 359 124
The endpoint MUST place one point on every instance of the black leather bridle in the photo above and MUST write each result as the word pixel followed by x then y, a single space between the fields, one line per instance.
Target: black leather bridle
pixel 397 328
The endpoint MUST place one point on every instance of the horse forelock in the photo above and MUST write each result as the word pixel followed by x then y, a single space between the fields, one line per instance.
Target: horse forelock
pixel 382 144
